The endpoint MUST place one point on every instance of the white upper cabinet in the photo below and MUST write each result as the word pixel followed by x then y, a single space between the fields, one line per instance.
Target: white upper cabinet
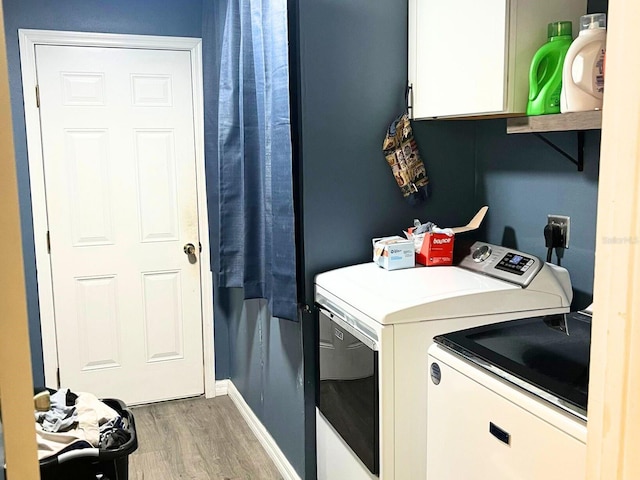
pixel 470 58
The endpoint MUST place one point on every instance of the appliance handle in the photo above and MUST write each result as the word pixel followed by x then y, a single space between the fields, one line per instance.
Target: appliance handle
pixel 499 433
pixel 343 323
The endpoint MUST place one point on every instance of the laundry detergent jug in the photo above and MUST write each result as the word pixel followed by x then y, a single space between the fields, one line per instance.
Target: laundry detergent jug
pixel 583 71
pixel 545 74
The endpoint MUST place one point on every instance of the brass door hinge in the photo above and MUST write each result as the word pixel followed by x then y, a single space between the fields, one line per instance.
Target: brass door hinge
pixel 38 96
pixel 48 242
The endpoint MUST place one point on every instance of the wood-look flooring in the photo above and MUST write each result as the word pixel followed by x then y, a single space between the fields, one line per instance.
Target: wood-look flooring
pixel 197 439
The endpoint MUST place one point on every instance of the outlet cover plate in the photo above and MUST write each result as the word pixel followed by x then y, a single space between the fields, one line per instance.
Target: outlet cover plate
pixel 565 225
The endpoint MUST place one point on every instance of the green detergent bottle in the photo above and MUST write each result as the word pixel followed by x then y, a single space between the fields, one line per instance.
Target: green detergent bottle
pixel 545 74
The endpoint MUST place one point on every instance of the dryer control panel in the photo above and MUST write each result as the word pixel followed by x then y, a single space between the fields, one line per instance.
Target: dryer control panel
pixel 502 263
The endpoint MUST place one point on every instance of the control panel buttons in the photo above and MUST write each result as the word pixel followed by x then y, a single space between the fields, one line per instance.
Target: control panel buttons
pixel 514 263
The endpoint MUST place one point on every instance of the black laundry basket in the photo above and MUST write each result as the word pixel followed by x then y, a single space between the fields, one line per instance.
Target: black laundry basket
pixel 94 463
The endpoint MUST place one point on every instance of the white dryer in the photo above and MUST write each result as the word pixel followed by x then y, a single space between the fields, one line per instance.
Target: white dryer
pixel 374 332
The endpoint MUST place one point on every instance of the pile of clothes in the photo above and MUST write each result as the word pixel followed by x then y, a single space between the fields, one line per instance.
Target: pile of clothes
pixel 68 421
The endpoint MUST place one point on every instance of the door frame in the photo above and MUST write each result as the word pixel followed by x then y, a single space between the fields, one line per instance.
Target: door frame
pixel 28 39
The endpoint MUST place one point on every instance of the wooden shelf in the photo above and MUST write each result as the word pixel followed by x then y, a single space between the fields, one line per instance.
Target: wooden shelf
pixel 560 122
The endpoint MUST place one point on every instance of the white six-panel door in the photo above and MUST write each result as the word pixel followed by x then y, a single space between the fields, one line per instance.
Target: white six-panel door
pixel 119 167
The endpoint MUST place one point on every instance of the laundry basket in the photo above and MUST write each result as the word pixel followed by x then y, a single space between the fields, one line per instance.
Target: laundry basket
pixel 95 463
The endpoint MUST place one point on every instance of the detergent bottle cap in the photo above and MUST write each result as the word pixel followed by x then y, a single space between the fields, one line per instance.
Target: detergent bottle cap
pixel 593 21
pixel 558 29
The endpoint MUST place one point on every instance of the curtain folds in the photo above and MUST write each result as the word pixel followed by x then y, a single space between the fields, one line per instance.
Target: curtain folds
pixel 248 133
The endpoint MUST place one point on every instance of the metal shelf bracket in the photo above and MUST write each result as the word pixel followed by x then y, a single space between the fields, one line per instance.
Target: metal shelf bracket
pixel 579 162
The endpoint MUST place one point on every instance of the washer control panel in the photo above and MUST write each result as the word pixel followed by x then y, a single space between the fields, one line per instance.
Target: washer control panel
pixel 502 263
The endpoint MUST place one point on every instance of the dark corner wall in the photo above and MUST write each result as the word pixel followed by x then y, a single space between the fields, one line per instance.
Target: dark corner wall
pixel 353 74
pixel 169 18
pixel 522 180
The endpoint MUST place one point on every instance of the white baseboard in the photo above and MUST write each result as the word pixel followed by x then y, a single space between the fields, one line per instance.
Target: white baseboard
pixel 222 387
pixel 269 444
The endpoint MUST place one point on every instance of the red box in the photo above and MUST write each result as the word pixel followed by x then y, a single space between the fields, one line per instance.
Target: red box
pixel 437 249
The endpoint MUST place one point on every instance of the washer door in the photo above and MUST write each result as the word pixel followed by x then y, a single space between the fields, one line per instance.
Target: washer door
pixel 348 394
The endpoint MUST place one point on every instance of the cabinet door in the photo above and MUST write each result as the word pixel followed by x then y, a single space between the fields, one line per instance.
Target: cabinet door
pixel 457 55
pixel 474 433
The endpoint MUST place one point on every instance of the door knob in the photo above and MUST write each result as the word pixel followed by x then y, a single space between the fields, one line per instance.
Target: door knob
pixel 189 249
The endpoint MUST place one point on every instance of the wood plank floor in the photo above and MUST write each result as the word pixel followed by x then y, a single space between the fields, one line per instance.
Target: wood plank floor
pixel 197 439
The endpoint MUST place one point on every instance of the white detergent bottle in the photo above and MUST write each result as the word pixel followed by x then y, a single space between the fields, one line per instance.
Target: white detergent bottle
pixel 583 70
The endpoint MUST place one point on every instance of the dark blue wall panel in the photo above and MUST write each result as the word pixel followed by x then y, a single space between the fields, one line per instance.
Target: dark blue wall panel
pixel 248 349
pixel 353 73
pixel 149 17
pixel 283 389
pixel 522 180
pixel 265 363
pixel 596 6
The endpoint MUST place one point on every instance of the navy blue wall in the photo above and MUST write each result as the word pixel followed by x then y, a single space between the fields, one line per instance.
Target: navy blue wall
pixel 265 362
pixel 522 180
pixel 353 64
pixel 150 17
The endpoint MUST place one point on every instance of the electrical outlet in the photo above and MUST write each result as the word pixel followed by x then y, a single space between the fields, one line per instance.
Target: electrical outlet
pixel 565 223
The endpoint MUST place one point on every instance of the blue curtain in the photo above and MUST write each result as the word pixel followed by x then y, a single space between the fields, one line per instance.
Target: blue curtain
pixel 248 141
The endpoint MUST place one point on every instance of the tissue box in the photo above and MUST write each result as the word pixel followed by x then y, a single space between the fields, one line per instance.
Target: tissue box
pixel 393 253
pixel 437 249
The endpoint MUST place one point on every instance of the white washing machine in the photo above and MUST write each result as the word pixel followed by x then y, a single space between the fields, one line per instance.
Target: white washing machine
pixel 508 401
pixel 375 329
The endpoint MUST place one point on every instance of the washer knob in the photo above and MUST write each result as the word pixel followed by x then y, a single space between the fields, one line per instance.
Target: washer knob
pixel 481 253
